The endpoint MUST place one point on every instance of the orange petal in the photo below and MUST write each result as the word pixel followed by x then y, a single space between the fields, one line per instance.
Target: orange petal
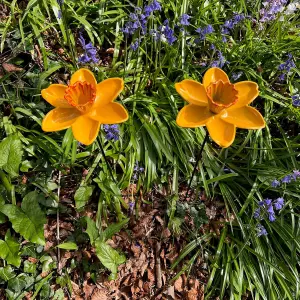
pixel 59 118
pixel 213 75
pixel 192 116
pixel 84 75
pixel 85 130
pixel 54 95
pixel 192 92
pixel 244 117
pixel 111 113
pixel 108 90
pixel 220 131
pixel 247 92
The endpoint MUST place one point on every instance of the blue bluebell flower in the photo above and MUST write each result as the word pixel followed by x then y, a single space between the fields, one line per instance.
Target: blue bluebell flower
pixel 271 213
pixel 220 62
pixel 270 10
pixel 184 20
pixel 268 202
pixel 281 77
pixel 59 14
pixel 231 23
pixel 261 230
pixel 137 170
pixel 203 32
pixel 288 64
pixel 236 76
pixel 166 33
pixel 295 174
pixel 154 6
pixel 131 206
pixel 261 203
pixel 134 46
pixel 138 21
pixel 224 39
pixel 60 2
pixel 90 51
pixel 275 183
pixel 279 203
pixel 286 67
pixel 256 214
pixel 286 179
pixel 112 132
pixel 296 100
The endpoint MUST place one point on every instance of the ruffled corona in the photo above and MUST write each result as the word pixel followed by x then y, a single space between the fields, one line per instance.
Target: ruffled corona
pixel 81 95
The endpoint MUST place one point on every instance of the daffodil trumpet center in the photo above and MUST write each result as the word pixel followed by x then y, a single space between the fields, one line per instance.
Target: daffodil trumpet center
pixel 221 95
pixel 81 95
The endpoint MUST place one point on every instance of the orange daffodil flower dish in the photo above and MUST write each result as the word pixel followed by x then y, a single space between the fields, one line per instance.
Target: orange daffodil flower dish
pixel 219 105
pixel 84 105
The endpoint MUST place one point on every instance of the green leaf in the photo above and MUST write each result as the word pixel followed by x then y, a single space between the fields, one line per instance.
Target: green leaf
pixel 26 165
pixel 17 284
pixel 7 273
pixel 68 246
pixel 59 295
pixel 112 229
pixel 9 250
pixel 92 230
pixel 29 267
pixel 82 195
pixel 11 155
pixel 108 256
pixel 28 220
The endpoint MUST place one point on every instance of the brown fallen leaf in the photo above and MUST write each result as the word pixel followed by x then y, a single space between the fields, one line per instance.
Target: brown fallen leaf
pixel 11 68
pixel 178 284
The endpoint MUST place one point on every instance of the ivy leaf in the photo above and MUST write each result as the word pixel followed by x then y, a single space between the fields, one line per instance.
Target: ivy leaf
pixel 108 256
pixel 22 281
pixel 68 246
pixel 7 273
pixel 9 250
pixel 28 220
pixel 11 155
pixel 82 195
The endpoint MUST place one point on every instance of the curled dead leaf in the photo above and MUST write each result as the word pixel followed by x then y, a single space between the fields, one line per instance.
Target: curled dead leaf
pixel 11 68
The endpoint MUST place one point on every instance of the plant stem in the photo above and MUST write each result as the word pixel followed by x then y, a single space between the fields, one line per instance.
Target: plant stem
pixel 106 161
pixel 196 164
pixel 57 225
